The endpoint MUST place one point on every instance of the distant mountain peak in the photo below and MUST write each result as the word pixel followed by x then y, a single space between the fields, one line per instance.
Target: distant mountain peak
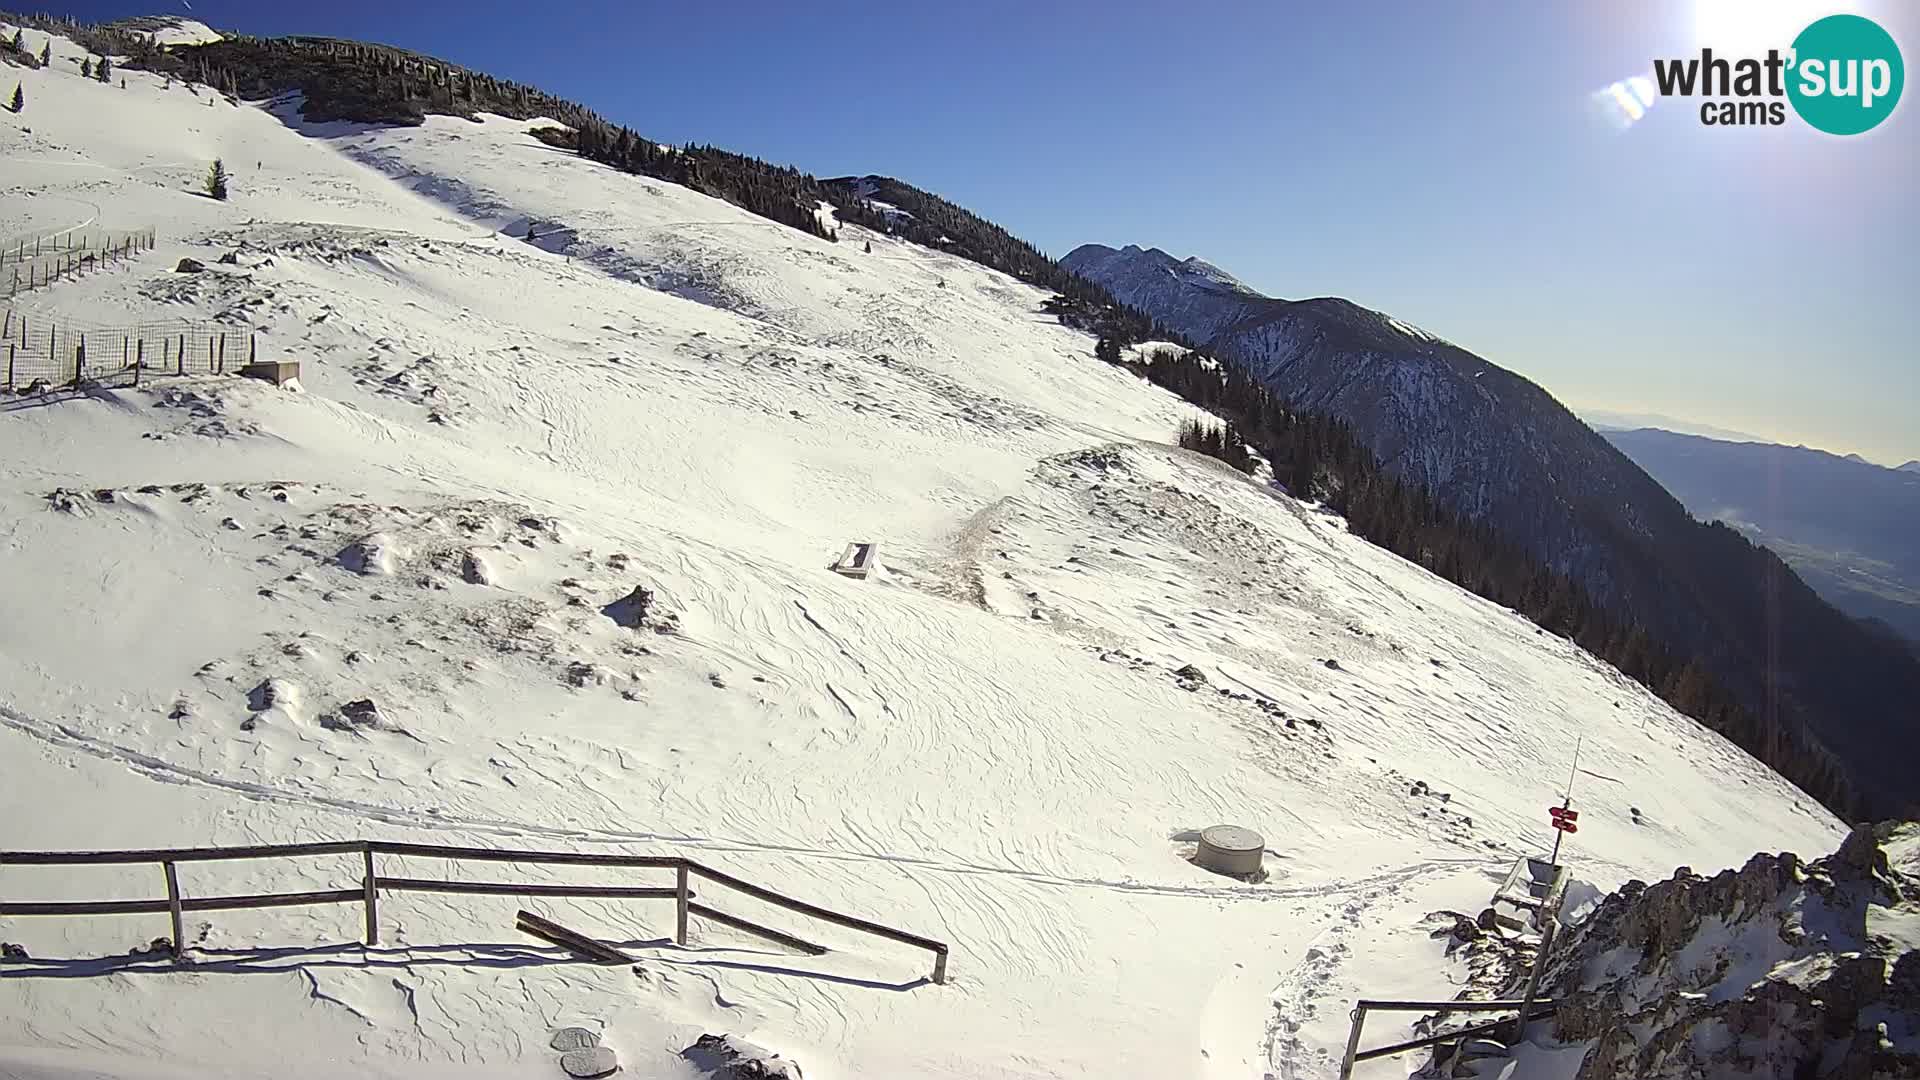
pixel 1911 466
pixel 1497 449
pixel 1097 261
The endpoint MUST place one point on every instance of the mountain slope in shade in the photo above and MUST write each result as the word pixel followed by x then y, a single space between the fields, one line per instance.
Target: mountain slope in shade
pixel 1500 449
pixel 1848 527
pixel 1911 466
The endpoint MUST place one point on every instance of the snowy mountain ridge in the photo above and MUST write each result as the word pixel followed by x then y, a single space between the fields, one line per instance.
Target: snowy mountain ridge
pixel 1500 450
pixel 1087 643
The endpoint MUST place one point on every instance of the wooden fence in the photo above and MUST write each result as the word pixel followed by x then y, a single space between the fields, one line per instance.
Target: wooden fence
pixel 371 884
pixel 26 265
pixel 38 350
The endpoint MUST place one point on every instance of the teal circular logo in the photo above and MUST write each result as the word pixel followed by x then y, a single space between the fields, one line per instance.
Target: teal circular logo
pixel 1846 75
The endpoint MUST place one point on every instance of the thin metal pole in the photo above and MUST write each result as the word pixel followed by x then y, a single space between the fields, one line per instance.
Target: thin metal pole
pixel 173 909
pixel 372 896
pixel 680 903
pixel 1566 800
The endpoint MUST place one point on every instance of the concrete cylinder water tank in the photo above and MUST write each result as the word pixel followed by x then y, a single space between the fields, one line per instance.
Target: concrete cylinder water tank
pixel 1230 849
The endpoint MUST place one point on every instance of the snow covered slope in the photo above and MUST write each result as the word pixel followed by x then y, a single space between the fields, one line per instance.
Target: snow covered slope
pixel 171 29
pixel 1086 645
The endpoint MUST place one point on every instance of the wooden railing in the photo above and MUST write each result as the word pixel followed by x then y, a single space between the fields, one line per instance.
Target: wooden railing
pixel 372 884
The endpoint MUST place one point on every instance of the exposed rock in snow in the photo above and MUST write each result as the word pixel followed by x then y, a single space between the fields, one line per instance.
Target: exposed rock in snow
pixel 476 567
pixel 724 1057
pixel 1780 969
pixel 374 555
pixel 631 610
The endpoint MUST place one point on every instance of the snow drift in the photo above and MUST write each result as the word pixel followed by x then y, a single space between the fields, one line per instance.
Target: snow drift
pixel 209 583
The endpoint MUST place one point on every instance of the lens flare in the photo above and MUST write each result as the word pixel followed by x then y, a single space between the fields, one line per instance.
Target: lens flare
pixel 1623 103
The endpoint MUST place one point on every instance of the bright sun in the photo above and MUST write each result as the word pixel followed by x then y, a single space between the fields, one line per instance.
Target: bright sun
pixel 1751 27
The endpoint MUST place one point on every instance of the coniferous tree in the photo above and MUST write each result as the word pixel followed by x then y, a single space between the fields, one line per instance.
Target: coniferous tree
pixel 103 70
pixel 19 98
pixel 86 67
pixel 216 182
pixel 46 53
pixel 19 43
pixel 1107 349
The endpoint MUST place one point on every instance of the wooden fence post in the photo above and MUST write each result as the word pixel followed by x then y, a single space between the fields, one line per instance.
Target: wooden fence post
pixel 223 354
pixel 372 895
pixel 1359 1018
pixel 183 354
pixel 210 366
pixel 139 360
pixel 9 367
pixel 253 347
pixel 79 361
pixel 173 908
pixel 680 903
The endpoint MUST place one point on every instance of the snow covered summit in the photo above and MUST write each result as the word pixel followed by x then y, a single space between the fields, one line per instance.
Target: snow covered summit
pixel 1087 644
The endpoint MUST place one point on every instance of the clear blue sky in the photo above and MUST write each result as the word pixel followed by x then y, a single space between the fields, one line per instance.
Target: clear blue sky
pixel 1437 161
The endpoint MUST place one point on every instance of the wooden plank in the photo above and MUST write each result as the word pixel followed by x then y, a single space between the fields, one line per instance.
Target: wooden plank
pixel 88 907
pixel 1447 1006
pixel 266 851
pixel 777 936
pixel 302 899
pixel 173 908
pixel 370 895
pixel 1353 1041
pixel 511 888
pixel 203 903
pixel 681 894
pixel 1487 1028
pixel 577 858
pixel 804 908
pixel 599 952
pixel 1533 977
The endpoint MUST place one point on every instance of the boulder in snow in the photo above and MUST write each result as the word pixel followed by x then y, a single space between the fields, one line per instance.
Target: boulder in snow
pixel 631 610
pixel 354 716
pixel 476 568
pixel 189 266
pixel 724 1057
pixel 374 555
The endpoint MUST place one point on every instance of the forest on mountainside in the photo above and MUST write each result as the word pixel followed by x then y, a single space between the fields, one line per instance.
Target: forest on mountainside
pixel 1318 457
pixel 1314 456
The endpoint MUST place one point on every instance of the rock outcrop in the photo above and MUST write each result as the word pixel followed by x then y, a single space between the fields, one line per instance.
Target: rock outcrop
pixel 1780 969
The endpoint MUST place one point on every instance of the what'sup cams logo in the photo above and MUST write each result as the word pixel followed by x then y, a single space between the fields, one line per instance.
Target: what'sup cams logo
pixel 1842 75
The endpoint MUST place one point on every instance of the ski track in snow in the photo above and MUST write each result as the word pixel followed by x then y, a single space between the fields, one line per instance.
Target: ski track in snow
pixel 987 742
pixel 166 772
